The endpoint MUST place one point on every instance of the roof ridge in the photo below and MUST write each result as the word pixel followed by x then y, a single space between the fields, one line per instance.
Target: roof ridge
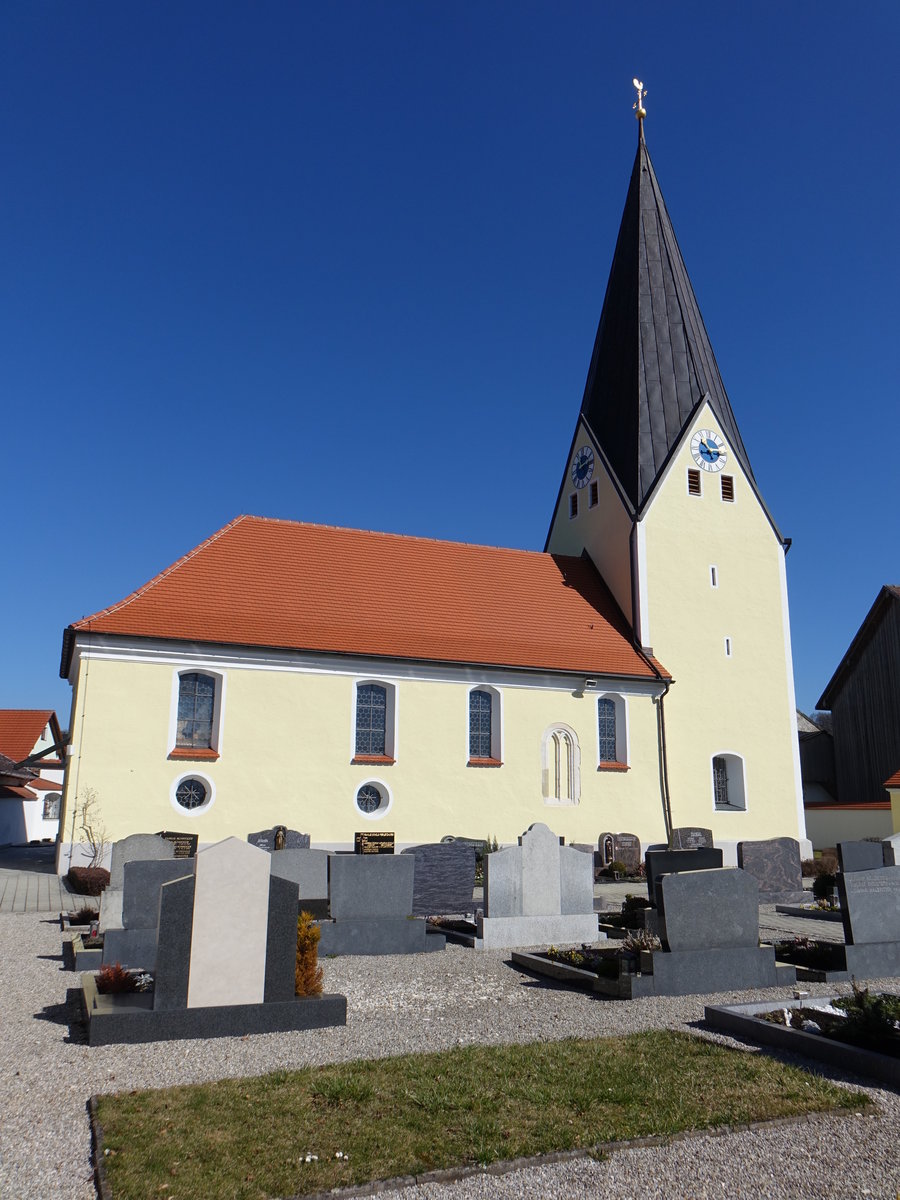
pixel 384 533
pixel 158 578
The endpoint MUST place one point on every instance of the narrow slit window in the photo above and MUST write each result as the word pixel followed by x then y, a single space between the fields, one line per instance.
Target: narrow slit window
pixel 713 577
pixel 728 488
pixel 728 647
pixel 593 494
pixel 693 482
pixel 573 505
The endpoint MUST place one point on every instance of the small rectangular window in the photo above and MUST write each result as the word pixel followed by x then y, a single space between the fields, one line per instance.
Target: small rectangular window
pixel 713 577
pixel 728 647
pixel 573 505
pixel 693 482
pixel 728 488
pixel 594 495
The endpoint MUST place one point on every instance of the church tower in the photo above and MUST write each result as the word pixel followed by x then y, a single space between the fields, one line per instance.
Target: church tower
pixel 659 493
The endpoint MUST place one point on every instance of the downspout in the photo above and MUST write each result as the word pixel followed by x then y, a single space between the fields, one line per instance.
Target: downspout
pixel 664 762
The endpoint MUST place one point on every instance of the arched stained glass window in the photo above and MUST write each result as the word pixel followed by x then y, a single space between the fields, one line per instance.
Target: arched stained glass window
pixel 371 718
pixel 196 703
pixel 480 704
pixel 606 721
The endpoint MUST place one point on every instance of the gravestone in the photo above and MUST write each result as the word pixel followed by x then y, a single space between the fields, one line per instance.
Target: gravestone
pixel 227 943
pixel 134 945
pixel 870 910
pixel 667 862
pixel 775 865
pixel 138 846
pixel 371 906
pixel 185 843
pixel 620 847
pixel 537 893
pixel 860 856
pixel 374 842
pixel 308 869
pixel 711 936
pixel 279 837
pixel 444 878
pixel 690 837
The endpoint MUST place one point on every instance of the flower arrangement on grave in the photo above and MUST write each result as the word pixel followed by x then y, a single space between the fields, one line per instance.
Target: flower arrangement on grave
pixel 307 972
pixel 114 979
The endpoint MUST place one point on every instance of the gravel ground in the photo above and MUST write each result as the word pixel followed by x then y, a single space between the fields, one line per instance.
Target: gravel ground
pixel 399 1004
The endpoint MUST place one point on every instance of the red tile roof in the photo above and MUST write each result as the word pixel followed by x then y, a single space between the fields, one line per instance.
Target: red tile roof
pixel 286 584
pixel 20 729
pixel 894 781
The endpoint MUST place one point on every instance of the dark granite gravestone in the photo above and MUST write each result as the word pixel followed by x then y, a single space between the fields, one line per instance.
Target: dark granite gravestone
pixel 627 848
pixel 775 865
pixel 444 878
pixel 308 871
pixel 379 842
pixel 711 936
pixel 185 843
pixel 134 945
pixel 870 909
pixel 667 862
pixel 279 837
pixel 371 901
pixel 860 856
pixel 690 837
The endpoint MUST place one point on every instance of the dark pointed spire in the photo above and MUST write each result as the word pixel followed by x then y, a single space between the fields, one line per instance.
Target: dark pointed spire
pixel 652 363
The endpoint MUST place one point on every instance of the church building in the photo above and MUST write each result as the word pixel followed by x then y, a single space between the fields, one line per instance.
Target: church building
pixel 634 676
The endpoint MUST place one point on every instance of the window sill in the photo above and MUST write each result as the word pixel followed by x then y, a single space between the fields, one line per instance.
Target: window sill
pixel 484 762
pixel 381 760
pixel 192 754
pixel 613 766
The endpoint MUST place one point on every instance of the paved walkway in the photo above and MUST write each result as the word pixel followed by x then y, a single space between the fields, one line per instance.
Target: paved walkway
pixel 29 883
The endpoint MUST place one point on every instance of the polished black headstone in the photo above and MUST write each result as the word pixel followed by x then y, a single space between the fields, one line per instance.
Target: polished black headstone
pixel 173 944
pixel 666 862
pixel 860 856
pixel 444 879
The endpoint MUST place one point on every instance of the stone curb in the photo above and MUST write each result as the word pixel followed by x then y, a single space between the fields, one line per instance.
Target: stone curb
pixel 503 1167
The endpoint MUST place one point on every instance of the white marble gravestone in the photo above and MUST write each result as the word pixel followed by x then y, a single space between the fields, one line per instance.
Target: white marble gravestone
pixel 230 925
pixel 537 893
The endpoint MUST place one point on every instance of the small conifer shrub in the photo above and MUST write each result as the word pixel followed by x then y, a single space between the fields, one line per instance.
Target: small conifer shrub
pixel 307 972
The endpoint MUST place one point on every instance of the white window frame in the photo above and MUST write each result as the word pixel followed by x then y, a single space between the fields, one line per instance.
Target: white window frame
pixel 622 739
pixel 189 813
pixel 390 721
pixel 496 720
pixel 549 742
pixel 387 798
pixel 218 722
pixel 736 774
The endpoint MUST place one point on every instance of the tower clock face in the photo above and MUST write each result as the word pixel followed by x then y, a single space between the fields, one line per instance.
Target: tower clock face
pixel 708 450
pixel 582 466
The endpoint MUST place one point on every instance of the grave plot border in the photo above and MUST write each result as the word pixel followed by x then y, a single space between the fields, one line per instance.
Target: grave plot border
pixel 741 1020
pixel 131 1019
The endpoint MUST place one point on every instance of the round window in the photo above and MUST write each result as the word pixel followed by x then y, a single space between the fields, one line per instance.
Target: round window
pixel 191 794
pixel 369 799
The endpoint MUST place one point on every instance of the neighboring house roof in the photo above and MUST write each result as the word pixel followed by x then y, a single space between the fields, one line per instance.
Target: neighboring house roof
pixel 12 774
pixel 21 729
pixel 888 596
pixel 290 585
pixel 652 363
pixel 805 725
pixel 894 781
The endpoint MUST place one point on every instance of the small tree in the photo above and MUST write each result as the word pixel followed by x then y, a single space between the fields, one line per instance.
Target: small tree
pixel 307 972
pixel 87 812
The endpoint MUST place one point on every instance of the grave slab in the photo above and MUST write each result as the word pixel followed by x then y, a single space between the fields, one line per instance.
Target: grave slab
pixel 308 869
pixel 364 886
pixel 710 910
pixel 668 862
pixel 870 905
pixel 139 846
pixel 444 878
pixel 691 837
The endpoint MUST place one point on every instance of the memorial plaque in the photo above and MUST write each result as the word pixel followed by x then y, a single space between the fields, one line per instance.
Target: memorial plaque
pixel 279 837
pixel 691 838
pixel 628 851
pixel 373 843
pixel 185 843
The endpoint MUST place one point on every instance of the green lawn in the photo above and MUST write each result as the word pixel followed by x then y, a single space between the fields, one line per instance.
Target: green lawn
pixel 248 1138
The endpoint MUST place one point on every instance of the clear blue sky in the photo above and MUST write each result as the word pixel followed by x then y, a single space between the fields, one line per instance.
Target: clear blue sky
pixel 344 263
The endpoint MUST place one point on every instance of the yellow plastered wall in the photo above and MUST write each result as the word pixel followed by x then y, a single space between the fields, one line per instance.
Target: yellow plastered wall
pixel 826 827
pixel 742 704
pixel 286 759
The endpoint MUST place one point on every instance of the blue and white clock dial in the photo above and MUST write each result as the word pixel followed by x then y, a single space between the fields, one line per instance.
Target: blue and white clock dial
pixel 708 450
pixel 582 466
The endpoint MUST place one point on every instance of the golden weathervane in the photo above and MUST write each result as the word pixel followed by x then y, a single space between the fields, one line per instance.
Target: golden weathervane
pixel 639 111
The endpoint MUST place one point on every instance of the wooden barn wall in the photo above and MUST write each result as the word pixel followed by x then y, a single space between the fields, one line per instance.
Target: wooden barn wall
pixel 866 715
